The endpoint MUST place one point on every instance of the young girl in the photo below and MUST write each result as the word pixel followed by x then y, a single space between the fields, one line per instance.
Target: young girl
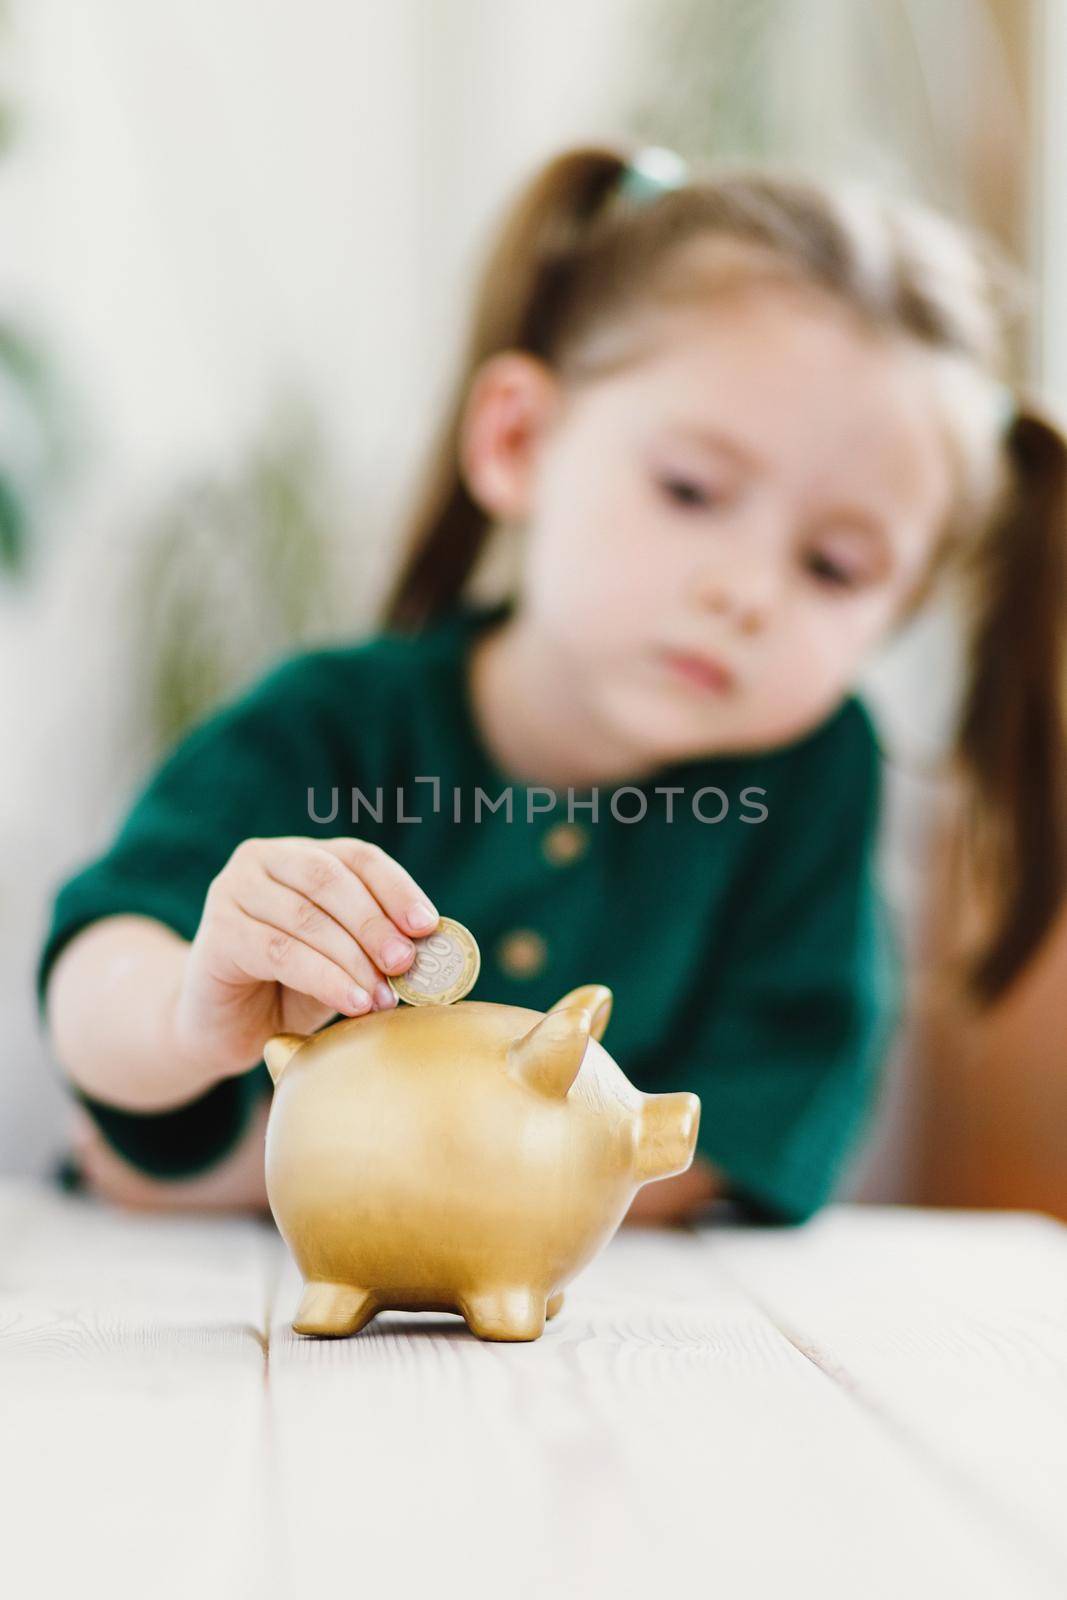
pixel 736 426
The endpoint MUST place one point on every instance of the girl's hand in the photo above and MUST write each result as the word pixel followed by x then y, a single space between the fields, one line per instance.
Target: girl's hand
pixel 678 1199
pixel 293 931
pixel 236 1183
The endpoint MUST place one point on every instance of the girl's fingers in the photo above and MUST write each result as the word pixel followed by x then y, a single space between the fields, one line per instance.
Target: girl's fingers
pixel 265 900
pixel 276 955
pixel 335 880
pixel 395 890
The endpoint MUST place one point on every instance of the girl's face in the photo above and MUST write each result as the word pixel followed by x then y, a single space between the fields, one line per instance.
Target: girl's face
pixel 719 533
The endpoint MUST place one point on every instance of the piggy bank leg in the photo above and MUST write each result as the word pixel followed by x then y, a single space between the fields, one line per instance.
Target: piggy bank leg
pixel 505 1313
pixel 333 1309
pixel 555 1304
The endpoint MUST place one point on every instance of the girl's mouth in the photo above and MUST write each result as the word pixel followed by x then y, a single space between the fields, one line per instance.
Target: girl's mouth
pixel 704 672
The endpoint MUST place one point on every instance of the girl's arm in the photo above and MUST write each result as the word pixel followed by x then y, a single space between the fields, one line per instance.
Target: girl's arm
pixel 236 1183
pixel 143 1021
pixel 110 1015
pixel 291 931
pixel 110 1010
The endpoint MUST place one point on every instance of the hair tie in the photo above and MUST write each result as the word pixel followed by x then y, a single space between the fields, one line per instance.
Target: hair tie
pixel 651 172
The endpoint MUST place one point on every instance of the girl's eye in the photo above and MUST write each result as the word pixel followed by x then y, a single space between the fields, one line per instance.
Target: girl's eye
pixel 691 496
pixel 829 572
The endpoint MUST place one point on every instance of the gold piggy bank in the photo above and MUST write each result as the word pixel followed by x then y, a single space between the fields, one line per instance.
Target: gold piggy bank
pixel 468 1158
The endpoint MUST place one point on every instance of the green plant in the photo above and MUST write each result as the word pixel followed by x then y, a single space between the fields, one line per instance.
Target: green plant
pixel 29 441
pixel 230 573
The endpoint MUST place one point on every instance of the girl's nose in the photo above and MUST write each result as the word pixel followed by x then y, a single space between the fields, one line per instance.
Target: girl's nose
pixel 744 593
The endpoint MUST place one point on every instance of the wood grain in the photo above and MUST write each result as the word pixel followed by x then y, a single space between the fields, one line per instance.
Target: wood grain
pixel 871 1405
pixel 132 1359
pixel 950 1330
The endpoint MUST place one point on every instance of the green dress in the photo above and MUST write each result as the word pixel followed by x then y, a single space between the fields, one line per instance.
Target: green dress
pixel 737 920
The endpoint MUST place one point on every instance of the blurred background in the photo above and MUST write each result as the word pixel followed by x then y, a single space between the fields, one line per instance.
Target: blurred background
pixel 238 244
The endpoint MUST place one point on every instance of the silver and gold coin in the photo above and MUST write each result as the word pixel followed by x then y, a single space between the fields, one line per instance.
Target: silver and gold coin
pixel 446 965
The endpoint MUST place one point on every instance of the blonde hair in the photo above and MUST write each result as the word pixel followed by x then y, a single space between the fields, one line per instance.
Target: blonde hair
pixel 573 265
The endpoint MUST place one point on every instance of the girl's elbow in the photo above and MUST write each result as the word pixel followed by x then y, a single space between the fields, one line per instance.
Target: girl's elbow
pixel 235 1183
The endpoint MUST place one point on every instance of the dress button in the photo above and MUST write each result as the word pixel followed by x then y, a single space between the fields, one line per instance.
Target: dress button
pixel 564 843
pixel 522 953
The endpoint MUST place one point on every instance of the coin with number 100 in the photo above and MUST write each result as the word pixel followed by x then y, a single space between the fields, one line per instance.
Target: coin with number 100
pixel 446 965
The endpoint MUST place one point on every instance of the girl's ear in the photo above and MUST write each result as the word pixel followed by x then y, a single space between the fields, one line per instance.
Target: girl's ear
pixel 511 403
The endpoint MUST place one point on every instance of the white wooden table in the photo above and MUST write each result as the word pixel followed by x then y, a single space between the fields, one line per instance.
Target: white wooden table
pixel 873 1405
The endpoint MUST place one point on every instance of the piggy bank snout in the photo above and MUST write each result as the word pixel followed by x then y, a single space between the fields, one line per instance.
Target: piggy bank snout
pixel 666 1135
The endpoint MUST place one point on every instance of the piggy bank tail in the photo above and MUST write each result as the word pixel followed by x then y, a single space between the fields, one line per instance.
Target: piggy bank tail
pixel 280 1050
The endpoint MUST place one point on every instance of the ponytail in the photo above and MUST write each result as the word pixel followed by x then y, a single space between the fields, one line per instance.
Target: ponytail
pixel 522 289
pixel 1011 742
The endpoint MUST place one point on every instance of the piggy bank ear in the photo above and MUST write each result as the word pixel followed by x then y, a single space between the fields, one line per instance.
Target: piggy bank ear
pixel 549 1057
pixel 594 997
pixel 278 1051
